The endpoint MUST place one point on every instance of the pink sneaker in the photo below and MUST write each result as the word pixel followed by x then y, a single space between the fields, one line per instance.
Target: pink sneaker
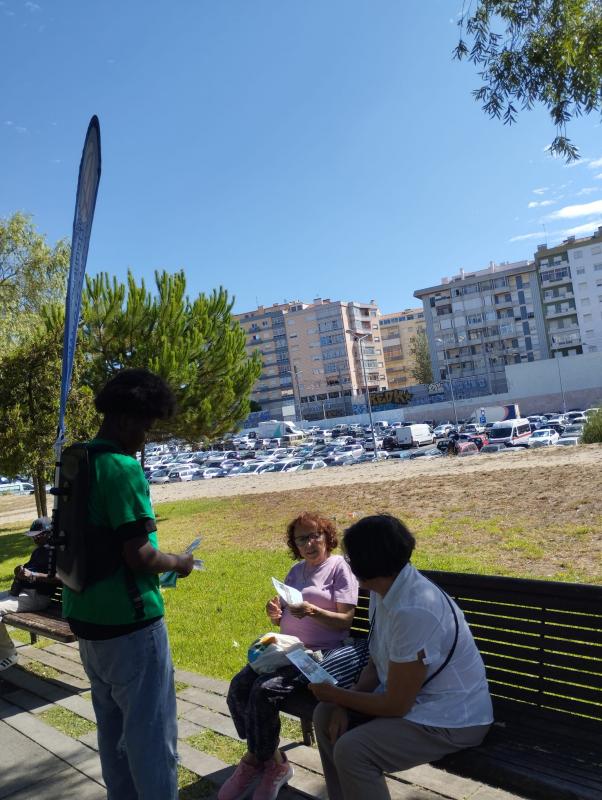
pixel 241 783
pixel 273 779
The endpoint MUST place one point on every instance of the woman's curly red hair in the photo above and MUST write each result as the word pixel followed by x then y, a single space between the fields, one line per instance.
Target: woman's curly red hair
pixel 316 522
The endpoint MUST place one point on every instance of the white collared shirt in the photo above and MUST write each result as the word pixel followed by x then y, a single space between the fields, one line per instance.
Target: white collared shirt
pixel 415 616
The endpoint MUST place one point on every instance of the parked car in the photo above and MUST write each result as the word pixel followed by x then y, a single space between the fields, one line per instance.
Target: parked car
pixel 543 437
pixel 567 441
pixel 181 474
pixel 464 448
pixel 479 439
pixel 493 448
pixel 159 476
pixel 442 431
pixel 572 431
pixel 311 465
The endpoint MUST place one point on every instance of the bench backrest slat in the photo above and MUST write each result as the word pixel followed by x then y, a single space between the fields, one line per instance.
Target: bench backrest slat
pixel 541 642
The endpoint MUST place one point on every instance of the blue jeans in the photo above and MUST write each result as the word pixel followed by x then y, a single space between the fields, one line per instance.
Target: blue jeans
pixel 134 701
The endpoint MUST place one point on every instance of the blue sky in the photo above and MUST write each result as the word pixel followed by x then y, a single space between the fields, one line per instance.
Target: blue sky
pixel 283 149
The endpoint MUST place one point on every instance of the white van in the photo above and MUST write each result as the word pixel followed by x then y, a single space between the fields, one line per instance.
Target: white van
pixel 19 487
pixel 414 435
pixel 510 432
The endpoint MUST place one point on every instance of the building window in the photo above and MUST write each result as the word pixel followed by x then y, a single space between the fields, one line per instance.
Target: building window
pixel 577 254
pixel 580 271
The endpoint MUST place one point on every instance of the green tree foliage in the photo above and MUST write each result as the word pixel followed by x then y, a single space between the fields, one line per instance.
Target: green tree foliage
pixel 536 51
pixel 29 401
pixel 31 275
pixel 422 370
pixel 195 345
pixel 592 430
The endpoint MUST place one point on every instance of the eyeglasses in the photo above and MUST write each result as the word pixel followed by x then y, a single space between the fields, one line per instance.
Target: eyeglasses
pixel 303 541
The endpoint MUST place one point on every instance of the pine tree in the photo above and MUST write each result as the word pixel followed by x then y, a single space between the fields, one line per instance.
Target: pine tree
pixel 195 345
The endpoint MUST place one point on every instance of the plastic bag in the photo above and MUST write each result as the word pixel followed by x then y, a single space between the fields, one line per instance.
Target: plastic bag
pixel 268 652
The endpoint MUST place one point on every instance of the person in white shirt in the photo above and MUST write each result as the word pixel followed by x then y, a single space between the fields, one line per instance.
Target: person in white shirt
pixel 423 693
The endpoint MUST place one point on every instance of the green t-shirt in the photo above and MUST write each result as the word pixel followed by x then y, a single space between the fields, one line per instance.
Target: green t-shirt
pixel 119 496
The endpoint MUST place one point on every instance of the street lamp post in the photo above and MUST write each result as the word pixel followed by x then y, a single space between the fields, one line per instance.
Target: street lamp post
pixel 449 378
pixel 296 373
pixel 359 339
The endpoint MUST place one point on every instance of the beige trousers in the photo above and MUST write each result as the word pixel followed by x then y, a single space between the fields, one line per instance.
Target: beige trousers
pixel 28 600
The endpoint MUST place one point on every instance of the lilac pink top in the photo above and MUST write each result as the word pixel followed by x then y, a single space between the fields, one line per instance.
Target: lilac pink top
pixel 329 583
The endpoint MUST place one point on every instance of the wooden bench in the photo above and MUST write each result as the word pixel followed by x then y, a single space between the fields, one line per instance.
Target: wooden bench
pixel 48 623
pixel 541 642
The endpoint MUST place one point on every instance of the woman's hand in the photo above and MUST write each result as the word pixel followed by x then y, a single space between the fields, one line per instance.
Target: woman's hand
pixel 303 610
pixel 324 692
pixel 273 609
pixel 339 724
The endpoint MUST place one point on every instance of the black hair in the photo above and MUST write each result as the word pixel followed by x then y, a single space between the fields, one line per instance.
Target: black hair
pixel 378 546
pixel 137 393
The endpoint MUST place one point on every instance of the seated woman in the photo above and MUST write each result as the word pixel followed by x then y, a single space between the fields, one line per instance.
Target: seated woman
pixel 423 693
pixel 321 622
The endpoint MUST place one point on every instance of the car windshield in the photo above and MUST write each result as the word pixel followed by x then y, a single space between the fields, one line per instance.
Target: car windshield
pixel 567 441
pixel 541 434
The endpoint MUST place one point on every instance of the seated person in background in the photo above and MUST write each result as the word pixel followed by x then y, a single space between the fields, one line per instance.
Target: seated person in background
pixel 321 622
pixel 31 589
pixel 423 693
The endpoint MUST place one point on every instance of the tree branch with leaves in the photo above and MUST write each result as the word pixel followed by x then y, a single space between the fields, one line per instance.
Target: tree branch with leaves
pixel 536 51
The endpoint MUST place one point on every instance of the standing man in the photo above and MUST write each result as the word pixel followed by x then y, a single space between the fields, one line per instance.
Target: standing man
pixel 119 619
pixel 31 589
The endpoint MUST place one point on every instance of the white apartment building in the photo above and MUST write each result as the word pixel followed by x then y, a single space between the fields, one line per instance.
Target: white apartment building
pixel 479 322
pixel 570 275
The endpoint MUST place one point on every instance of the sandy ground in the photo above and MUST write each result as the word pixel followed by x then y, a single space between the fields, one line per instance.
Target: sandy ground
pixel 508 469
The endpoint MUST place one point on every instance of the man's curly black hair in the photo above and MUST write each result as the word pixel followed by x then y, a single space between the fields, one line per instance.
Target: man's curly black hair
pixel 138 393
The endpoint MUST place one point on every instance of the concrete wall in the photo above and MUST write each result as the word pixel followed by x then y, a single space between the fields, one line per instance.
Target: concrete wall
pixel 535 386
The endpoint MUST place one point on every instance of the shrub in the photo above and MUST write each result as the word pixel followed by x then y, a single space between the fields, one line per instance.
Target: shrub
pixel 592 430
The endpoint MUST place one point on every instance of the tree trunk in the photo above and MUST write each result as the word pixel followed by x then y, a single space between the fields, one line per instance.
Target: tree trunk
pixel 37 493
pixel 42 491
pixel 142 456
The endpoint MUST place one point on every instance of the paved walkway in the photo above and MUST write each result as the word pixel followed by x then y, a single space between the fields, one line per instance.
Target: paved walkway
pixel 38 761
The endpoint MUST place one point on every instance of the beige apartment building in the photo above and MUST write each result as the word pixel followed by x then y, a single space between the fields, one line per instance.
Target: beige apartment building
pixel 312 357
pixel 265 331
pixel 397 330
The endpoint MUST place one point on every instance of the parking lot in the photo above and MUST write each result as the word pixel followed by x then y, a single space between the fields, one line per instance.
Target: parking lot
pixel 247 456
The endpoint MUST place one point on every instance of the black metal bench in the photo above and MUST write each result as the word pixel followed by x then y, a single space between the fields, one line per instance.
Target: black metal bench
pixel 542 646
pixel 48 623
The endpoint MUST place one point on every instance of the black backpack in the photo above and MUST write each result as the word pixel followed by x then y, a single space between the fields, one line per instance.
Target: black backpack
pixel 84 553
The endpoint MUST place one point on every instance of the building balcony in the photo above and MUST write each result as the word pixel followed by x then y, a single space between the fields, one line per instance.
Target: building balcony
pixel 553 277
pixel 567 294
pixel 551 313
pixel 562 341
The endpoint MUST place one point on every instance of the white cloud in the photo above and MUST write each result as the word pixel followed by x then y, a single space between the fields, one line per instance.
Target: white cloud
pixel 598 177
pixel 525 236
pixel 543 190
pixel 9 122
pixel 579 210
pixel 541 204
pixel 589 227
pixel 595 164
pixel 587 190
pixel 33 7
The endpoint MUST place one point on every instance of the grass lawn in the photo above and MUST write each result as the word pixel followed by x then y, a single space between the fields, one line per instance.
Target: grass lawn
pixel 215 614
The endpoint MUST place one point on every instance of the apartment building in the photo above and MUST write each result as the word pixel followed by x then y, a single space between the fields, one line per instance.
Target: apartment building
pixel 312 356
pixel 478 322
pixel 570 277
pixel 397 330
pixel 326 356
pixel 266 332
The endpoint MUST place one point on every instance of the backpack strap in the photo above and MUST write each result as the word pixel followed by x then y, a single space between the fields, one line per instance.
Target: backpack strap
pixel 454 643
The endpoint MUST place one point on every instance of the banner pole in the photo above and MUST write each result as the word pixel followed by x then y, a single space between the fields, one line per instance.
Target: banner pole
pixel 85 203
